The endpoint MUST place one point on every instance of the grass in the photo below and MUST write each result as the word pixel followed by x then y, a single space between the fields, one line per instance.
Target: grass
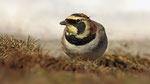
pixel 24 62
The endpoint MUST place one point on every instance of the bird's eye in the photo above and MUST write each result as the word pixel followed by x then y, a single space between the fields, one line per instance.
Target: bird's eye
pixel 71 21
pixel 78 21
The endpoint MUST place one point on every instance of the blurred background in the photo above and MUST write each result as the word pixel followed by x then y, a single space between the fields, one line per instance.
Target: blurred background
pixel 124 20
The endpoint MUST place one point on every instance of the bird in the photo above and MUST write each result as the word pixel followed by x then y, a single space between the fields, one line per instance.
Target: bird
pixel 83 38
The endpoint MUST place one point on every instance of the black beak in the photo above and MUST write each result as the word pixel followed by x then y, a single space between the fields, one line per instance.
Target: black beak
pixel 63 22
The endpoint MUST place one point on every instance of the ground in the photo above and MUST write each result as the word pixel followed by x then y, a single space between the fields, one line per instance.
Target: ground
pixel 26 62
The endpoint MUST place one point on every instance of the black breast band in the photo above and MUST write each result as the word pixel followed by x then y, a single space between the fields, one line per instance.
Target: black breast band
pixel 76 41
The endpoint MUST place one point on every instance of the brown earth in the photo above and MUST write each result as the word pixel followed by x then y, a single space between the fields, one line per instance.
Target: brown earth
pixel 25 62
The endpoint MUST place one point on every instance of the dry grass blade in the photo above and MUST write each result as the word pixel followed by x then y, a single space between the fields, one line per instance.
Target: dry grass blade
pixel 25 62
pixel 9 44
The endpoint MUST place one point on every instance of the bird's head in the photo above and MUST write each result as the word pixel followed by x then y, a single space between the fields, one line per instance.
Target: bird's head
pixel 79 25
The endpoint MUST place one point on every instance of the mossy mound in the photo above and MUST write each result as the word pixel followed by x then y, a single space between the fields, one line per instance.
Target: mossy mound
pixel 24 62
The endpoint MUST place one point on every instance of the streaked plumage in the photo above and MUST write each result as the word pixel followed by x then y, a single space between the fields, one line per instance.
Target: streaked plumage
pixel 83 37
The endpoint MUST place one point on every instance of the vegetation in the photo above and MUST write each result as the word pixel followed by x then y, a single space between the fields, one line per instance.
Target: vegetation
pixel 24 62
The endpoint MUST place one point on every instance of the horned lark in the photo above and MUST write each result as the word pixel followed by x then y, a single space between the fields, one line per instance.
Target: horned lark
pixel 83 37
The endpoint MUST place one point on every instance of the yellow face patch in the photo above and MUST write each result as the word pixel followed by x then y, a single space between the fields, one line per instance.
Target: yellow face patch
pixel 72 30
pixel 83 35
pixel 86 31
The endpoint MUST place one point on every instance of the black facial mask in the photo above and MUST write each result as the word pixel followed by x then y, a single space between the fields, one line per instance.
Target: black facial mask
pixel 79 25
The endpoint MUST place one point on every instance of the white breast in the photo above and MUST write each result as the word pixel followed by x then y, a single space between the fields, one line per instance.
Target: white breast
pixel 83 48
